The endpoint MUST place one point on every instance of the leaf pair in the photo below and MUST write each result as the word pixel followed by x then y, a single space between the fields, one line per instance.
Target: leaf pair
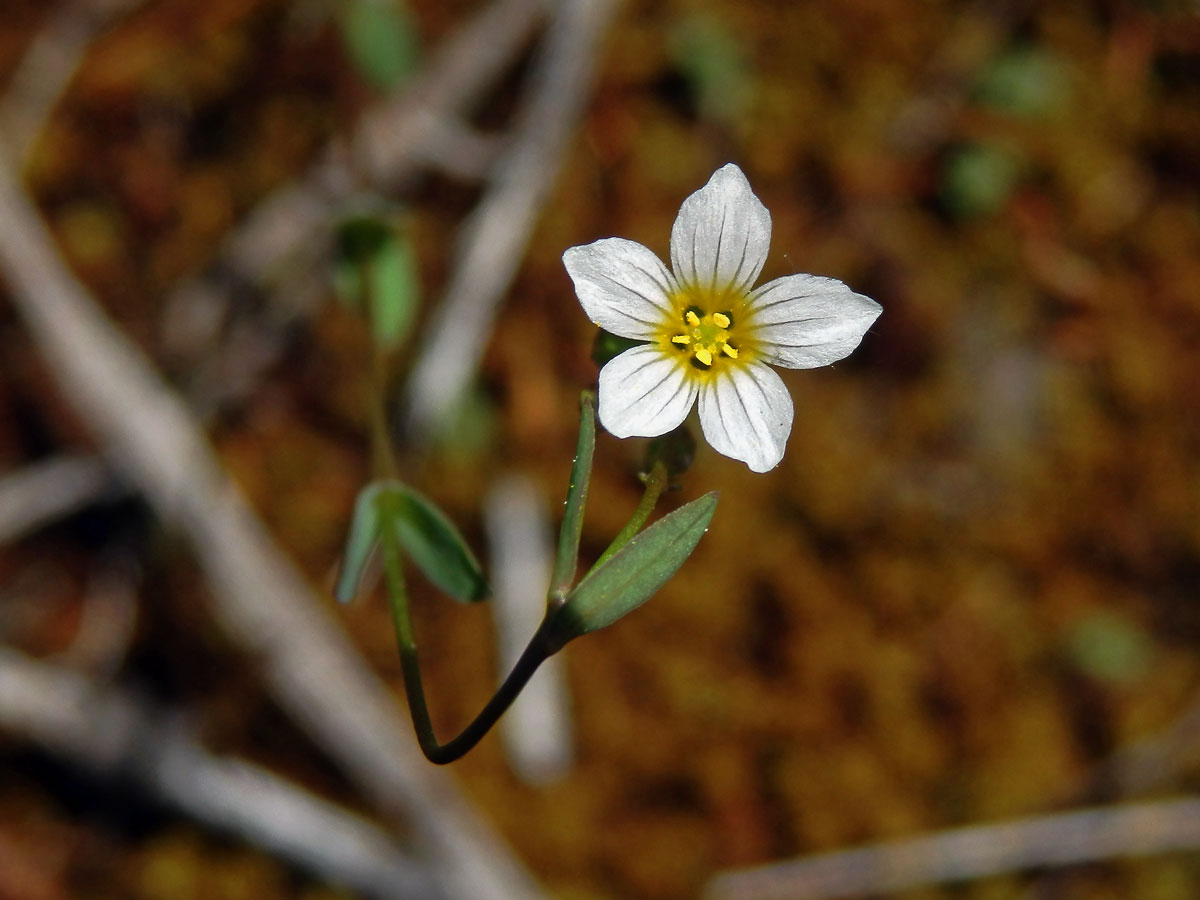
pixel 613 588
pixel 422 531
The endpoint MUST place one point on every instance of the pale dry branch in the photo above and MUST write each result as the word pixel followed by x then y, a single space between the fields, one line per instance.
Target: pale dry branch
pixel 290 232
pixel 308 663
pixel 494 240
pixel 977 851
pixel 1152 762
pixel 44 492
pixel 112 735
pixel 537 730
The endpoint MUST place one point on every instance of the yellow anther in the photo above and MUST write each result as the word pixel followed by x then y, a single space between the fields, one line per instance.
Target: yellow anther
pixel 705 336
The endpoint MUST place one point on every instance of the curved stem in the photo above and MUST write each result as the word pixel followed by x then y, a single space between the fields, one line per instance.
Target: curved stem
pixel 531 658
pixel 537 652
pixel 545 641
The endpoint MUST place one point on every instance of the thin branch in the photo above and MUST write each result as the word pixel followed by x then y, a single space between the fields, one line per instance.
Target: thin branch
pixel 453 147
pixel 309 664
pixel 962 854
pixel 113 735
pixel 1151 762
pixel 292 228
pixel 495 238
pixel 44 492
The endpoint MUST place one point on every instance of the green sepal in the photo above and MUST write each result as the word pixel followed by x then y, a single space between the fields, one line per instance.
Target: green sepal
pixel 675 450
pixel 361 541
pixel 432 542
pixel 607 345
pixel 627 580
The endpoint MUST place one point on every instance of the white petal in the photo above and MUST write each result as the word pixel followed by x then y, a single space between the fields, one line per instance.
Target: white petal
pixel 644 393
pixel 805 321
pixel 721 235
pixel 622 286
pixel 747 415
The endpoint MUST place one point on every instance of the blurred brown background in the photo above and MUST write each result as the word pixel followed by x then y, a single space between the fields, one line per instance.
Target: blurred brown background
pixel 969 588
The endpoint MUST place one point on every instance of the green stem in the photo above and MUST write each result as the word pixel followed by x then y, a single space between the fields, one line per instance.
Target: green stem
pixel 539 649
pixel 545 642
pixel 656 481
pixel 383 460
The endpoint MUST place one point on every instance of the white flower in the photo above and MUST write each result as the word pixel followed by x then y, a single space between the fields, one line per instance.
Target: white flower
pixel 709 334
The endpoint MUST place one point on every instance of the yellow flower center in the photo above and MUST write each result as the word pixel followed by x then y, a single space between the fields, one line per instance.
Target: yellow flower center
pixel 706 337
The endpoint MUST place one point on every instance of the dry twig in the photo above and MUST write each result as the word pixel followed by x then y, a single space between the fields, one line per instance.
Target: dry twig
pixel 44 492
pixel 402 133
pixel 494 239
pixel 314 671
pixel 537 730
pixel 292 228
pixel 112 735
pixel 965 853
pixel 1151 762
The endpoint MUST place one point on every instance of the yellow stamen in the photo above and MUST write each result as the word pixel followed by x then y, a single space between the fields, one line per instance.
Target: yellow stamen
pixel 705 337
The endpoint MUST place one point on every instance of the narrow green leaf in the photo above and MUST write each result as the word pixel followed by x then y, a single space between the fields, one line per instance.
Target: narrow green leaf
pixel 433 543
pixel 360 543
pixel 380 39
pixel 376 273
pixel 636 571
pixel 394 291
pixel 581 472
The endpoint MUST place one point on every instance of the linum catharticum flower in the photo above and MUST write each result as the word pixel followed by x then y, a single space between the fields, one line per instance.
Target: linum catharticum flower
pixel 709 334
